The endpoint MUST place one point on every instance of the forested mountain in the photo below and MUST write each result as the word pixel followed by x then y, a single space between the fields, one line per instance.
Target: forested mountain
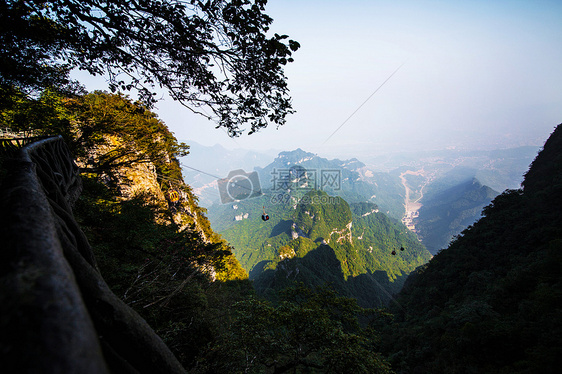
pixel 315 238
pixel 446 213
pixel 156 252
pixel 492 301
pixel 441 182
pixel 352 179
pixel 354 248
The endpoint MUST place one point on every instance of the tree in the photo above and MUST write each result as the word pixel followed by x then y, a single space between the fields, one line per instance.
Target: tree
pixel 207 54
pixel 309 331
pixel 128 132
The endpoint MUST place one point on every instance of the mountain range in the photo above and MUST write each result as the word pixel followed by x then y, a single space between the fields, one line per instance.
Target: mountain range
pixel 446 213
pixel 316 238
pixel 445 188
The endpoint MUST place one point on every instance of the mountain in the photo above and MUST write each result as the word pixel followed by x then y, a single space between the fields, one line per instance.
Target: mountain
pixel 446 213
pixel 350 179
pixel 492 301
pixel 317 238
pixel 349 246
pixel 204 165
pixel 499 169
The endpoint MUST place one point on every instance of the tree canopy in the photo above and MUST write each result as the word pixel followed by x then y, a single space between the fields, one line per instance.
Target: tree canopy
pixel 214 55
pixel 309 331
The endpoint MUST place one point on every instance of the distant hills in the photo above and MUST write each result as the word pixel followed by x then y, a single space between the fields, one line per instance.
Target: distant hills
pixel 352 179
pixel 447 212
pixel 499 169
pixel 451 186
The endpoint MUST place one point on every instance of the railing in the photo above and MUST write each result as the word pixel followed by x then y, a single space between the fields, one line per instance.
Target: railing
pixel 9 146
pixel 7 132
pixel 57 313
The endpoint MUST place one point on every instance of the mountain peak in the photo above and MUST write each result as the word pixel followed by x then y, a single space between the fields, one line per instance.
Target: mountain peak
pixel 546 170
pixel 295 157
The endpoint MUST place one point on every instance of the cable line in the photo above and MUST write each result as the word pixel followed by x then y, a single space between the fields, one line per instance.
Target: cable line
pixel 364 102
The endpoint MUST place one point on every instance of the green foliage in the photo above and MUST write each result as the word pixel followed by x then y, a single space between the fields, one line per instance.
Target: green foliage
pixel 356 257
pixel 46 114
pixel 491 301
pixel 131 133
pixel 171 44
pixel 159 270
pixel 318 215
pixel 309 331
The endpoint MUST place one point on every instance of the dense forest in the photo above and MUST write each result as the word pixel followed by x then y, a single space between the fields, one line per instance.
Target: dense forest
pixel 490 302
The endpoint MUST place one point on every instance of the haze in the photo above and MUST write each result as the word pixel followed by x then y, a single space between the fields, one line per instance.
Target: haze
pixel 475 75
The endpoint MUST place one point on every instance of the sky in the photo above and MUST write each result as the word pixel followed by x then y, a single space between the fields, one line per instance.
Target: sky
pixel 374 77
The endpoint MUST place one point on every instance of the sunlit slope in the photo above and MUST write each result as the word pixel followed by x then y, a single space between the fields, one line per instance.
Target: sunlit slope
pixel 318 238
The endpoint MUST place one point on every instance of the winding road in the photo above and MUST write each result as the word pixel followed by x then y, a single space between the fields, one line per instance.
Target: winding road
pixel 411 207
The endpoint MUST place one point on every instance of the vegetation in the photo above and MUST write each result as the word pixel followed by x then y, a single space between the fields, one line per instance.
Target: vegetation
pixel 160 271
pixel 318 239
pixel 491 302
pixel 308 331
pixel 211 55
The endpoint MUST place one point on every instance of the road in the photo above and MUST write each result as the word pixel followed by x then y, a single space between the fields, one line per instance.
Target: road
pixel 412 207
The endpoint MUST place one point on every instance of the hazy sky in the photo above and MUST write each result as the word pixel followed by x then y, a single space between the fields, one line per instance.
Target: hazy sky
pixel 475 74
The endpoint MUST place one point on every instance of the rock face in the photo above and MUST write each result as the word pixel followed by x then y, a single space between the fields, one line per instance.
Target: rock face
pixel 131 178
pixel 136 179
pixel 58 314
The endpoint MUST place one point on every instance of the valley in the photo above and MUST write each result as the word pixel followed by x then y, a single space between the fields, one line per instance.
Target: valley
pixel 176 195
pixel 412 200
pixel 434 194
pixel 347 229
